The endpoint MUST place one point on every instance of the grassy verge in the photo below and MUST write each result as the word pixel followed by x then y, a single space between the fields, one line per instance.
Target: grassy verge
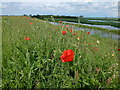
pixel 35 62
pixel 97 28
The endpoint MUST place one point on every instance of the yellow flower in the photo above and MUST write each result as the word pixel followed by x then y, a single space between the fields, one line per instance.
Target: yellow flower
pixel 98 41
pixel 113 55
pixel 78 38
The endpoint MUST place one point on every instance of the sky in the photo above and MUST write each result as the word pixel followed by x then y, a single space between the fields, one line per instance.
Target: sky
pixel 87 8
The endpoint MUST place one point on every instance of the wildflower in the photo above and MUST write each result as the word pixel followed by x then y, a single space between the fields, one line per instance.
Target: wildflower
pixel 31 23
pixel 66 28
pixel 98 41
pixel 60 21
pixel 118 49
pixel 67 56
pixel 67 25
pixel 70 30
pixel 28 17
pixel 84 42
pixel 88 32
pixel 79 38
pixel 74 33
pixel 96 48
pixel 27 38
pixel 113 55
pixel 89 43
pixel 63 32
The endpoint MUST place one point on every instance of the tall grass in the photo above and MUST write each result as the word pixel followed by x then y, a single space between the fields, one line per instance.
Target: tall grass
pixel 36 63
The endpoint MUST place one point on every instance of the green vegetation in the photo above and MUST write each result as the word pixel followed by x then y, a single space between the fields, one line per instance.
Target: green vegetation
pixel 84 20
pixel 36 63
pixel 97 28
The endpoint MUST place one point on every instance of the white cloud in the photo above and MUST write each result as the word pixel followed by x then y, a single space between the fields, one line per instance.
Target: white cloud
pixel 64 8
pixel 60 1
pixel 3 5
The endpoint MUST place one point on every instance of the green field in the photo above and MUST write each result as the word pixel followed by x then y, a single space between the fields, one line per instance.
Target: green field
pixel 36 63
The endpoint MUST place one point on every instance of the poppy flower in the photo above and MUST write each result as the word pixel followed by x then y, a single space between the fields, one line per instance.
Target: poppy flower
pixel 84 42
pixel 118 49
pixel 88 32
pixel 60 21
pixel 74 33
pixel 96 48
pixel 31 23
pixel 89 43
pixel 67 25
pixel 27 38
pixel 70 30
pixel 67 56
pixel 63 32
pixel 79 38
pixel 66 28
pixel 27 17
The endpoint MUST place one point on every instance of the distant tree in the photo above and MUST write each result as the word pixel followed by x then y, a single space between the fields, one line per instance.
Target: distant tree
pixel 24 15
pixel 30 15
pixel 81 16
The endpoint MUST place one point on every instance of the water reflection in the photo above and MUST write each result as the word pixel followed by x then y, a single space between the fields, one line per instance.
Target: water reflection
pixel 101 26
pixel 104 21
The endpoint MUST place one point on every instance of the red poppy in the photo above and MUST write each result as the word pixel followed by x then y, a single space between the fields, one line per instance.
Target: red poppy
pixel 118 49
pixel 96 48
pixel 67 56
pixel 63 32
pixel 31 23
pixel 74 33
pixel 67 25
pixel 60 21
pixel 84 42
pixel 88 32
pixel 89 43
pixel 27 17
pixel 70 30
pixel 79 37
pixel 66 28
pixel 27 38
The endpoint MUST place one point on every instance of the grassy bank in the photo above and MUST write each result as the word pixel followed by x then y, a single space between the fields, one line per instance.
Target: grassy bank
pixel 85 20
pixel 34 62
pixel 97 28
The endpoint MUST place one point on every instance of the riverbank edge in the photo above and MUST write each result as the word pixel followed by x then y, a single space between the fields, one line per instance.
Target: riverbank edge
pixel 97 28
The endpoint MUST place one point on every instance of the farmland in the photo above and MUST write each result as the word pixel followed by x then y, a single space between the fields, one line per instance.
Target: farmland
pixel 31 56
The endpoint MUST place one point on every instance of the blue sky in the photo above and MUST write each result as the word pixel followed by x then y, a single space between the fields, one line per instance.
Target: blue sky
pixel 88 9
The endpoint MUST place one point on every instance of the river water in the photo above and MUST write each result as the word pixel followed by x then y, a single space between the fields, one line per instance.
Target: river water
pixel 101 26
pixel 104 21
pixel 94 32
